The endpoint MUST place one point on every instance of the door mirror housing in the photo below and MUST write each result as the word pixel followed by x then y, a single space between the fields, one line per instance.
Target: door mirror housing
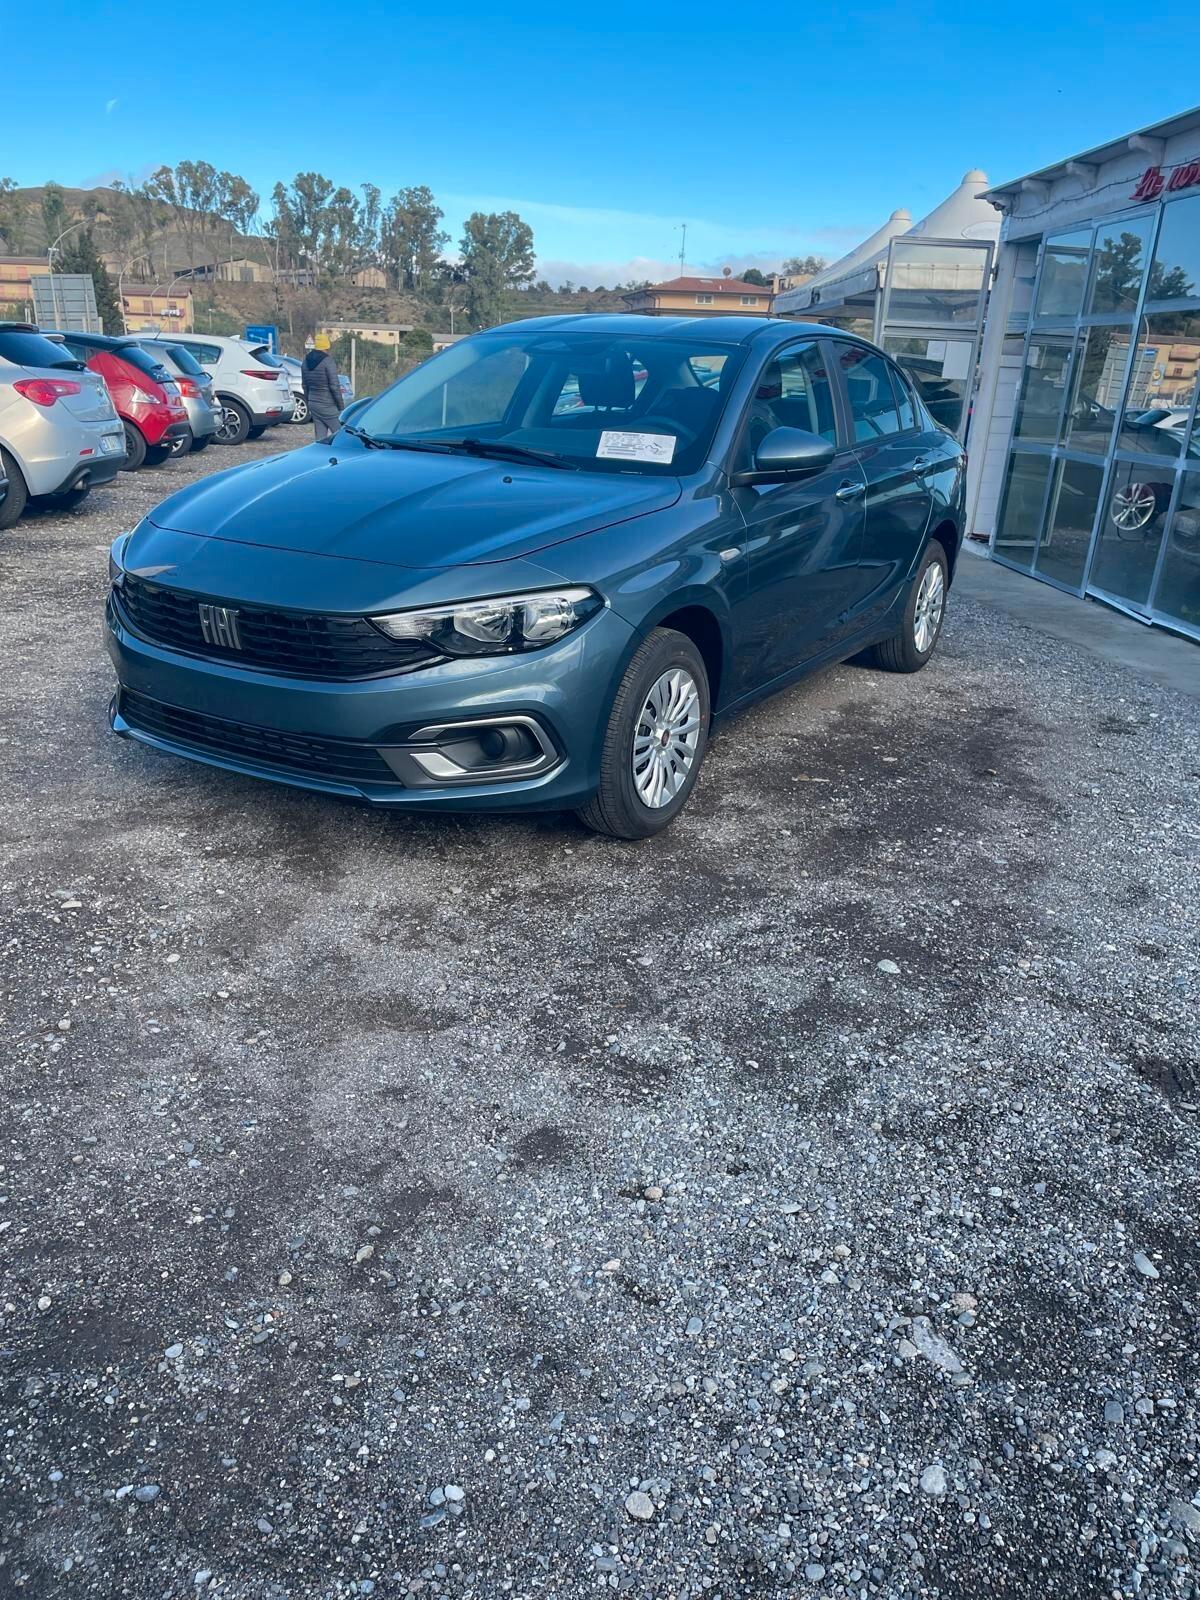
pixel 348 413
pixel 787 453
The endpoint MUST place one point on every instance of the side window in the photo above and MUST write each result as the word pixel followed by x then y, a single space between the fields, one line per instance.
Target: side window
pixel 869 390
pixel 793 392
pixel 904 401
pixel 208 354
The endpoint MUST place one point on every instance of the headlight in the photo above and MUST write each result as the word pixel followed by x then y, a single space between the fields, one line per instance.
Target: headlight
pixel 116 553
pixel 494 627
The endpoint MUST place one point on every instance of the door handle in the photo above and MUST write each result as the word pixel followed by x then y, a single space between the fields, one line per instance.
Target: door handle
pixel 849 491
pixel 921 466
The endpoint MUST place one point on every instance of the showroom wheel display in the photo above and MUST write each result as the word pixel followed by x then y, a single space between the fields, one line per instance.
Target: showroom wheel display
pixel 911 646
pixel 655 739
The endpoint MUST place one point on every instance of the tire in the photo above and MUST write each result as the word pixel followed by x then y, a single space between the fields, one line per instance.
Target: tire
pixel 257 431
pixel 911 646
pixel 16 495
pixel 135 449
pixel 300 414
pixel 234 427
pixel 67 500
pixel 201 444
pixel 180 447
pixel 624 807
pixel 156 454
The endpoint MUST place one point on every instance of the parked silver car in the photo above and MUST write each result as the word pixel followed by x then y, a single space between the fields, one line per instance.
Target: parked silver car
pixel 59 432
pixel 205 412
pixel 253 388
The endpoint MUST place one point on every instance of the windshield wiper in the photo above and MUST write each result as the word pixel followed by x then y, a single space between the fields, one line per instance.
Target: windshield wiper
pixel 508 452
pixel 369 439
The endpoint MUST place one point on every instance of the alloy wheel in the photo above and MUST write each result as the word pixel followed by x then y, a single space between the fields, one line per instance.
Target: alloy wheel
pixel 230 424
pixel 1133 507
pixel 931 601
pixel 665 740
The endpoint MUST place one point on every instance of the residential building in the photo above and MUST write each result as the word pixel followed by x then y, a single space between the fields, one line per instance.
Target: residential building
pixel 701 297
pixel 15 275
pixel 156 309
pixel 385 333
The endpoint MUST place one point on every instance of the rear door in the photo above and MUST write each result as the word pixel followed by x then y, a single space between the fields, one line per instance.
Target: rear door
pixel 894 455
pixel 803 537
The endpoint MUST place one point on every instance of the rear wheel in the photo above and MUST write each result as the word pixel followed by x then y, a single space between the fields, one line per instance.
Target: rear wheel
pixel 235 423
pixel 135 449
pixel 201 444
pixel 300 414
pixel 655 740
pixel 911 646
pixel 15 496
pixel 156 454
pixel 181 446
pixel 257 431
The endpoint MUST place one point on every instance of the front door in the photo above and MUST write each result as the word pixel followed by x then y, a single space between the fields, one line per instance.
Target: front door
pixel 897 459
pixel 803 537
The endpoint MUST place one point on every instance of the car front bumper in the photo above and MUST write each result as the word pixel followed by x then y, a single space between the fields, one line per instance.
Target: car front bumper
pixel 381 739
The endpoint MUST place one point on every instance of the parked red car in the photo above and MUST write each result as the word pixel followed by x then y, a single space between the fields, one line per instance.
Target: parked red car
pixel 145 394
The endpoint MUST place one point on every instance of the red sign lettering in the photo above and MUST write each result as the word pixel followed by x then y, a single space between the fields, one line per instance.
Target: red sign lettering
pixel 1152 183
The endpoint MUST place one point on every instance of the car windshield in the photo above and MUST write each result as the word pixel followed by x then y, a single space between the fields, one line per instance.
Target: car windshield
pixel 643 403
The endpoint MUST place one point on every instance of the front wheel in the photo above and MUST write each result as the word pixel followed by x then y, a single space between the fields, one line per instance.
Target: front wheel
pixel 911 646
pixel 655 740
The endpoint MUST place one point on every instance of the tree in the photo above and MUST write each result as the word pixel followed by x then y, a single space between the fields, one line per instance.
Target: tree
pixel 339 233
pixel 80 255
pixel 497 256
pixel 237 205
pixel 1169 283
pixel 55 217
pixel 804 266
pixel 12 215
pixel 754 276
pixel 308 199
pixel 411 238
pixel 370 214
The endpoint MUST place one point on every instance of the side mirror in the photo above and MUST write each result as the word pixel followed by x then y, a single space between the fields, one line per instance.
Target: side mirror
pixel 787 453
pixel 349 413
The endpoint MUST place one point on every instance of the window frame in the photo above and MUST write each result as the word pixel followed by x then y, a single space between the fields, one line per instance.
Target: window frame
pixel 778 353
pixel 848 409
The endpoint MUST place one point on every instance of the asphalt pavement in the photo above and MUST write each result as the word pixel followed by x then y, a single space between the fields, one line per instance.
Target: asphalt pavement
pixel 801 1203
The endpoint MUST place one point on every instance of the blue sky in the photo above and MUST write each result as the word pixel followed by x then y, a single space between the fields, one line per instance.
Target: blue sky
pixel 771 131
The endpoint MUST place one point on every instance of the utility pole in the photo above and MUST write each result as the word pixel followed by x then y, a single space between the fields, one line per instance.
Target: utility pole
pixel 682 247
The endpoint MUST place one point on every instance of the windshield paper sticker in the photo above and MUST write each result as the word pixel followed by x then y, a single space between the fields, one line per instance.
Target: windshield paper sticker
pixel 617 446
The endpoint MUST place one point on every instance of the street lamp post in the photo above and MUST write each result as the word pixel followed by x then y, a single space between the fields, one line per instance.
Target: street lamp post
pixel 50 262
pixel 125 266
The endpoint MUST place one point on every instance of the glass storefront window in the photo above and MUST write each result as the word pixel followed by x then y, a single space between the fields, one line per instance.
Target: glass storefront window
pixel 1131 529
pixel 1120 266
pixel 1175 274
pixel 1040 406
pixel 1096 385
pixel 1162 383
pixel 1062 553
pixel 940 370
pixel 1064 275
pixel 935 284
pixel 1178 593
pixel 1021 507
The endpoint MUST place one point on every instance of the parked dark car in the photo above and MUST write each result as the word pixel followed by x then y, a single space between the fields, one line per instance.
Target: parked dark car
pixel 145 394
pixel 536 571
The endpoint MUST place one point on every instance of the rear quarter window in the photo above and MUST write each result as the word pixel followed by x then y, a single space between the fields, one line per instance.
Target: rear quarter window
pixel 208 354
pixel 35 350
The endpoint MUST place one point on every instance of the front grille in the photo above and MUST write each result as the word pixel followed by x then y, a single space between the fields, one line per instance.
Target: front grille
pixel 295 753
pixel 296 643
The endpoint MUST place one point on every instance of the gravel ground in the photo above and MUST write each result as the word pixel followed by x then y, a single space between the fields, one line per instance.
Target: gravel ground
pixel 803 1203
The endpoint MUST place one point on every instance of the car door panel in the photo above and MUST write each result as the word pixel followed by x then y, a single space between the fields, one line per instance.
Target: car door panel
pixel 894 456
pixel 803 537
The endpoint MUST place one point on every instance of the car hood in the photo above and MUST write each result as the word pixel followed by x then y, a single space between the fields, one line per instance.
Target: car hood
pixel 406 508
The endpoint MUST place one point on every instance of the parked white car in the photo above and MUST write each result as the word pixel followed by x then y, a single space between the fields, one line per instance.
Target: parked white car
pixel 59 432
pixel 250 383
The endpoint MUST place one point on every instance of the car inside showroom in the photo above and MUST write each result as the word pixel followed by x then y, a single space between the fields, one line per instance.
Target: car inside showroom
pixel 1085 450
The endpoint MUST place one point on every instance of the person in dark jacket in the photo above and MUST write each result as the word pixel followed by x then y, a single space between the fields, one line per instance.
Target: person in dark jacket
pixel 319 379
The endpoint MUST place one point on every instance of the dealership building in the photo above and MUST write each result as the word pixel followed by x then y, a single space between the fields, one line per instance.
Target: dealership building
pixel 1084 442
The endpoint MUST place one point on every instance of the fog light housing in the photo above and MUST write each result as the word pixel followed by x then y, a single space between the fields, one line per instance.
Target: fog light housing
pixel 490 750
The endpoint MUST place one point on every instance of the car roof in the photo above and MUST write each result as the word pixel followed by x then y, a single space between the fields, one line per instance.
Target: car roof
pixel 730 330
